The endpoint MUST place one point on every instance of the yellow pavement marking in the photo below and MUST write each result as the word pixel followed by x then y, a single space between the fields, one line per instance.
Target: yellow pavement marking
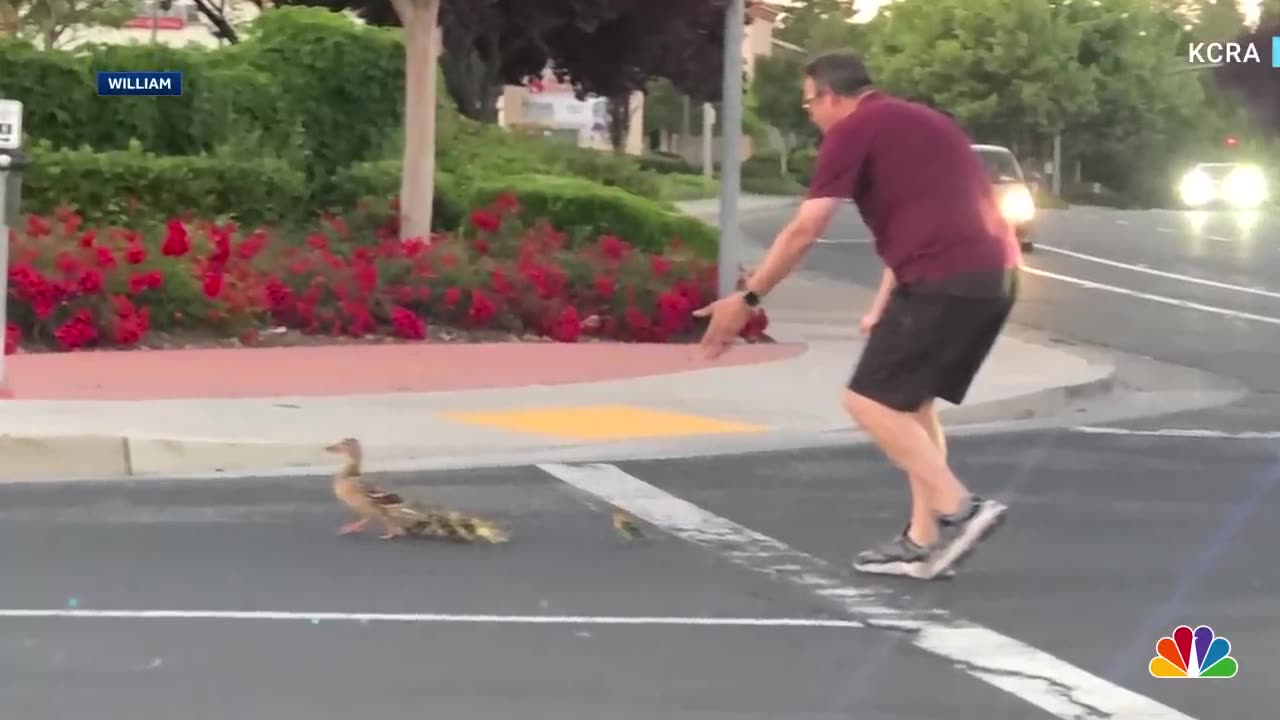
pixel 602 422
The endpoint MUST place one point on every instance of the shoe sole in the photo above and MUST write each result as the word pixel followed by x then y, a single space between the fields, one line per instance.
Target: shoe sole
pixel 964 545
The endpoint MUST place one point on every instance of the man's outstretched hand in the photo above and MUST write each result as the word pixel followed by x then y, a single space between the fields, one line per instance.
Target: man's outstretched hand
pixel 729 315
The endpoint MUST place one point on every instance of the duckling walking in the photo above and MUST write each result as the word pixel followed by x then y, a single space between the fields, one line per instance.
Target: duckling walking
pixel 400 517
pixel 626 526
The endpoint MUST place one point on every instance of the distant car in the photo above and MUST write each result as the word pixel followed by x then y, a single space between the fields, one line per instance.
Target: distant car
pixel 1238 186
pixel 1012 190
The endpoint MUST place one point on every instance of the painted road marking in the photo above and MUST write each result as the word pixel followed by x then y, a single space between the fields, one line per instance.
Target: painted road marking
pixel 1122 222
pixel 1162 273
pixel 603 422
pixel 428 618
pixel 1156 298
pixel 843 241
pixel 1043 680
pixel 1164 230
pixel 1180 433
pixel 1219 238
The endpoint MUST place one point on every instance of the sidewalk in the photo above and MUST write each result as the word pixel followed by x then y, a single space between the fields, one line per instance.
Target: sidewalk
pixel 158 413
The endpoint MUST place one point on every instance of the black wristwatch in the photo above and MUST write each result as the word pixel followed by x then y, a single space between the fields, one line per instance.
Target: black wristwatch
pixel 751 298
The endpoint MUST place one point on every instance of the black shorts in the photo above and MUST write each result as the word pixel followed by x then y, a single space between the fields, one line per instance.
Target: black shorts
pixel 929 345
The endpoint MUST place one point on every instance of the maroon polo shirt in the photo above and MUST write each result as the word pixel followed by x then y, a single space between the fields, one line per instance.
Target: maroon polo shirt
pixel 921 189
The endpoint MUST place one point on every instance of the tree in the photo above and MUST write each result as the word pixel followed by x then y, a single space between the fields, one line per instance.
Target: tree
pixel 1218 20
pixel 779 97
pixel 821 25
pixel 1143 116
pixel 48 20
pixel 1005 69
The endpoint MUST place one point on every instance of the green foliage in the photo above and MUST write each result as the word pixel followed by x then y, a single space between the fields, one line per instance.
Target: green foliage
pixel 1004 68
pixel 376 181
pixel 588 210
pixel 778 91
pixel 343 81
pixel 473 151
pixel 821 25
pixel 251 191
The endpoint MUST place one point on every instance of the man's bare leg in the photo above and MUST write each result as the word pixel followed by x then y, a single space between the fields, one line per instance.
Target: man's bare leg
pixel 923 529
pixel 906 442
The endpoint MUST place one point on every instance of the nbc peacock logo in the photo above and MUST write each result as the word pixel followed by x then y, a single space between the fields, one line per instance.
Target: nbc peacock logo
pixel 1189 654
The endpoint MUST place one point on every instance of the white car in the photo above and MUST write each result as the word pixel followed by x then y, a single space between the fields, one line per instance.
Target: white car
pixel 1012 190
pixel 1240 186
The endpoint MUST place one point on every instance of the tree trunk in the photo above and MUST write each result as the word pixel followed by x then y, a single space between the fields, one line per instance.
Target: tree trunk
pixel 417 181
pixel 618 110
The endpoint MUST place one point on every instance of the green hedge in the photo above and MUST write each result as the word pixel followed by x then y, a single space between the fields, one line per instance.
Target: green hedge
pixel 589 210
pixel 375 182
pixel 261 190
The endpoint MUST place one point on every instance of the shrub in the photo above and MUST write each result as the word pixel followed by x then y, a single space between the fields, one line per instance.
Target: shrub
pixel 473 152
pixel 74 288
pixel 262 190
pixel 592 210
pixel 801 163
pixel 373 183
pixel 668 164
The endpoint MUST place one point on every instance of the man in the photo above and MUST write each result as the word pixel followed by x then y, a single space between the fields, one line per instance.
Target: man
pixel 948 286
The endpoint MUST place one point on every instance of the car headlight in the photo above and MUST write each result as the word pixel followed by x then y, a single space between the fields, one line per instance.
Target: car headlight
pixel 1196 188
pixel 1245 187
pixel 1017 206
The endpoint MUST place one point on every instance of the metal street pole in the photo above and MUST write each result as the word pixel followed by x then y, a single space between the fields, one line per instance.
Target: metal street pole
pixel 11 162
pixel 730 147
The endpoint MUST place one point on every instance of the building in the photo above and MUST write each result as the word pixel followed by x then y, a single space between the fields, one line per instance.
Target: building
pixel 550 108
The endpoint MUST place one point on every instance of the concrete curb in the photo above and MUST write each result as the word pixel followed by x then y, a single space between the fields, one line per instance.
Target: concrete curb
pixel 81 457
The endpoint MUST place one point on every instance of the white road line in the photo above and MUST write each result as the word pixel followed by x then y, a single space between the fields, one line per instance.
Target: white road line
pixel 1043 680
pixel 1164 230
pixel 1219 238
pixel 1156 298
pixel 428 618
pixel 1180 433
pixel 1122 222
pixel 843 241
pixel 1162 273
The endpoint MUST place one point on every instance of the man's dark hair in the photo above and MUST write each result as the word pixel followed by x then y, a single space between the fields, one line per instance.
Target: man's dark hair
pixel 842 73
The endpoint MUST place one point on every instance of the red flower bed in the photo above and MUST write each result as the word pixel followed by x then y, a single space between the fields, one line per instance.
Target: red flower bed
pixel 72 287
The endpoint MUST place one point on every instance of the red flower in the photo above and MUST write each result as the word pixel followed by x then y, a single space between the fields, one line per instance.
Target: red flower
pixel 407 325
pixel 482 309
pixel 105 258
pixel 612 247
pixel 659 265
pixel 135 255
pixel 176 241
pixel 481 246
pixel 486 221
pixel 86 240
pixel 506 202
pixel 12 338
pixel 605 286
pixel 452 297
pixel 90 281
pixel 77 332
pixel 567 326
pixel 212 284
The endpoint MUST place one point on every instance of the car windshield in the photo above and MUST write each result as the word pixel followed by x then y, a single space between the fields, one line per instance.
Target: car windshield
pixel 1002 167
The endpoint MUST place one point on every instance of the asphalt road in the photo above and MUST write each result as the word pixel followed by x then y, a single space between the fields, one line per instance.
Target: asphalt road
pixel 1113 541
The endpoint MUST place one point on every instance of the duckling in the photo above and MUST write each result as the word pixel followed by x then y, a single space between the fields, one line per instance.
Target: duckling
pixel 626 526
pixel 400 517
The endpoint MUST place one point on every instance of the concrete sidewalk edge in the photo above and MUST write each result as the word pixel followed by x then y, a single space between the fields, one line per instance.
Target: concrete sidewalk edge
pixel 97 457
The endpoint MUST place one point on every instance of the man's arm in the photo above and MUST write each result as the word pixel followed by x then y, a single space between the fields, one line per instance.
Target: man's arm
pixel 887 283
pixel 792 243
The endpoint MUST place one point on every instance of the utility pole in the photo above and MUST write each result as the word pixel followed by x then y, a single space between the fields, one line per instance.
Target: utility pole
pixel 730 148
